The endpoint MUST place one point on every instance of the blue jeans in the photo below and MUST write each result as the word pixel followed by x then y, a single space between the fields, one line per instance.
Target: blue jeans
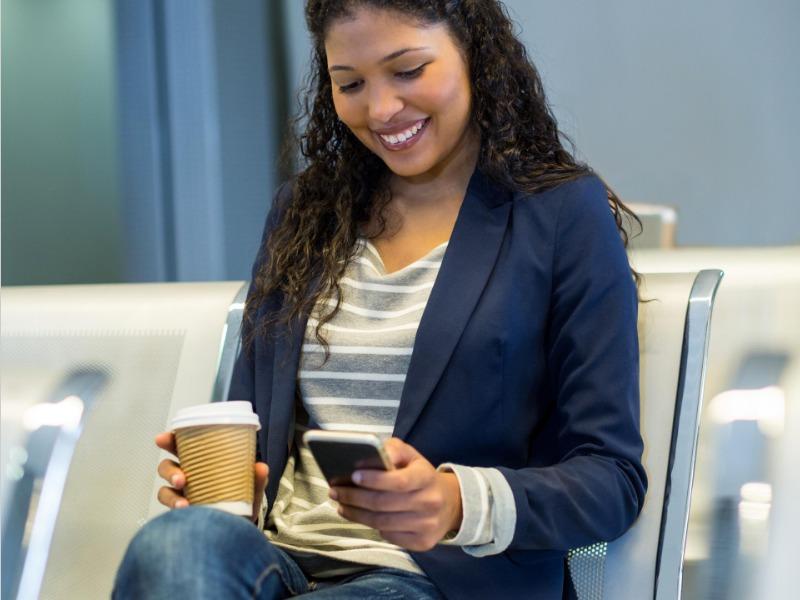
pixel 199 552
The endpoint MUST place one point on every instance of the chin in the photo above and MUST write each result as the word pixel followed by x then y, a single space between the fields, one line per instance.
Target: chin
pixel 406 168
pixel 402 170
pixel 406 171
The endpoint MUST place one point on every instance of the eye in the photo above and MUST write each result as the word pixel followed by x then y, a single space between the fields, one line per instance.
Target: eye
pixel 349 87
pixel 413 73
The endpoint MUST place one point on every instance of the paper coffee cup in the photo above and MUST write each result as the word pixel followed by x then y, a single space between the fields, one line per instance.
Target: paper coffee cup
pixel 216 446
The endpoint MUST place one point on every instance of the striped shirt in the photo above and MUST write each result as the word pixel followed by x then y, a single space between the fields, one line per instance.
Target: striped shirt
pixel 358 389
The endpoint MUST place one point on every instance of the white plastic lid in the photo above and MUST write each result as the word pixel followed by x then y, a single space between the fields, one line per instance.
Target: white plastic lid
pixel 233 412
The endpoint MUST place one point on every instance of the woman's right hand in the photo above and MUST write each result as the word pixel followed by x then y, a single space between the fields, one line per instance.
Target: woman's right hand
pixel 170 471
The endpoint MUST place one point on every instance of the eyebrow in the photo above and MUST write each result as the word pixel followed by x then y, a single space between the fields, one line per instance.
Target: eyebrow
pixel 385 59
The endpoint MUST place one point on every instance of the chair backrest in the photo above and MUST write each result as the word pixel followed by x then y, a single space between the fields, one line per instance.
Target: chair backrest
pixel 160 347
pixel 658 226
pixel 762 283
pixel 673 334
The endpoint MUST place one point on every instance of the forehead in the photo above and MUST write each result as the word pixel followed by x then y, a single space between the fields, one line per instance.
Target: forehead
pixel 368 35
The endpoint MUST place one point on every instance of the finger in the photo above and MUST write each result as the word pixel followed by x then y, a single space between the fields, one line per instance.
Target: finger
pixel 410 478
pixel 171 472
pixel 170 498
pixel 384 521
pixel 374 500
pixel 166 441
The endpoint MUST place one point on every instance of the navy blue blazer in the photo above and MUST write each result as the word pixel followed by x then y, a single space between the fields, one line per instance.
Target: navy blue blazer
pixel 526 359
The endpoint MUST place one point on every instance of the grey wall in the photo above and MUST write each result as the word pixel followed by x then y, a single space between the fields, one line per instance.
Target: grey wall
pixel 200 117
pixel 252 98
pixel 691 104
pixel 60 211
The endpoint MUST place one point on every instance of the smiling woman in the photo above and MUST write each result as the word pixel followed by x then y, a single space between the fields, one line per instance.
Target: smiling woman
pixel 444 275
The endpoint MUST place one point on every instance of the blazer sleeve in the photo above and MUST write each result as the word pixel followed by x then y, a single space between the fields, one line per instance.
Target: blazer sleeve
pixel 596 489
pixel 242 386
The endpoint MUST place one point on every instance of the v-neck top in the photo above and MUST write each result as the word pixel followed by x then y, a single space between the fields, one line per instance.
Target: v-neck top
pixel 432 260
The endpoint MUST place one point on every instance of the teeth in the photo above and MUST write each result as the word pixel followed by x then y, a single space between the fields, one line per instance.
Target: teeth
pixel 405 135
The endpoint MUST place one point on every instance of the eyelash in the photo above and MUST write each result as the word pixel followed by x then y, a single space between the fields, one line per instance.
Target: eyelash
pixel 407 75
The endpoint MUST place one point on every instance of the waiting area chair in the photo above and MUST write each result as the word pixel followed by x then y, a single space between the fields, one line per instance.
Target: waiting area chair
pixel 646 562
pixel 154 348
pixel 755 312
pixel 132 355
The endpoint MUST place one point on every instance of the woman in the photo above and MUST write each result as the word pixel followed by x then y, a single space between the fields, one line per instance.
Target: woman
pixel 445 274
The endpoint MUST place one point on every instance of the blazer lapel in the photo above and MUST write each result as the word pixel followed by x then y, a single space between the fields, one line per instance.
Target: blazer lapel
pixel 281 408
pixel 466 266
pixel 284 385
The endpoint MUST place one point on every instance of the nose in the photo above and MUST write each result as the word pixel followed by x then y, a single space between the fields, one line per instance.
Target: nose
pixel 384 104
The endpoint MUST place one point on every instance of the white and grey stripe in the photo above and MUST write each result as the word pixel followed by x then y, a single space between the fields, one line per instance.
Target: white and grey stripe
pixel 358 389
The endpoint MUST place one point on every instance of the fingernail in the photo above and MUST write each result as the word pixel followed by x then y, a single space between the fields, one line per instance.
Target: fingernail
pixel 174 479
pixel 333 494
pixel 181 504
pixel 357 477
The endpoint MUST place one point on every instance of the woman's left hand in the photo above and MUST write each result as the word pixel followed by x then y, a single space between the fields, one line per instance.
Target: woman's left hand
pixel 413 506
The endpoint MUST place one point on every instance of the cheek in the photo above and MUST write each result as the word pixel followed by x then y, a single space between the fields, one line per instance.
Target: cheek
pixel 451 100
pixel 347 111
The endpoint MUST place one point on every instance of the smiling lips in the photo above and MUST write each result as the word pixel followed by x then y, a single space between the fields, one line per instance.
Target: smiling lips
pixel 403 139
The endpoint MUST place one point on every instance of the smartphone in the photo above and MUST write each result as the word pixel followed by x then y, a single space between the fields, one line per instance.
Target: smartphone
pixel 339 453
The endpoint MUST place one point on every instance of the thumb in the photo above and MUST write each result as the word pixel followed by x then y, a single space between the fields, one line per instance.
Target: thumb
pixel 399 452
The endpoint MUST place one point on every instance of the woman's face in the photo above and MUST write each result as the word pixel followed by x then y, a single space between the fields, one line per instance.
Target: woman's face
pixel 403 89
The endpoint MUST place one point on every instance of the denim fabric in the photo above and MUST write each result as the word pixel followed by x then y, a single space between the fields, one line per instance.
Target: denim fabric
pixel 199 552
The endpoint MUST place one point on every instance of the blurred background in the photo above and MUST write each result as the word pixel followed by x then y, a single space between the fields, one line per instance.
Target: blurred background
pixel 140 138
pixel 140 143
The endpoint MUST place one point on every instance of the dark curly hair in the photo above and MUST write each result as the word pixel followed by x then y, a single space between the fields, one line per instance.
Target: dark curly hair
pixel 344 183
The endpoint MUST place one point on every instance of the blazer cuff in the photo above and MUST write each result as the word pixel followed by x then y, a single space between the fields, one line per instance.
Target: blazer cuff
pixel 490 514
pixel 476 505
pixel 503 514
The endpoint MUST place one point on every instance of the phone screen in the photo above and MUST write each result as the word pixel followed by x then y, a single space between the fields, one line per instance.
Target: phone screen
pixel 338 460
